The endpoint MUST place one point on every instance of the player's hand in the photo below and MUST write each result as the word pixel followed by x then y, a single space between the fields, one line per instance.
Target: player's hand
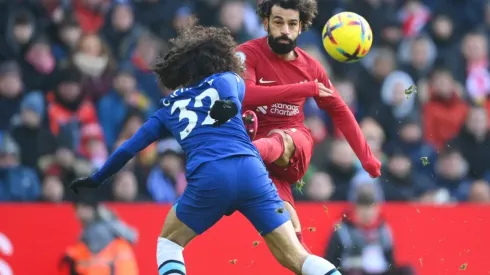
pixel 222 111
pixel 324 91
pixel 373 167
pixel 86 182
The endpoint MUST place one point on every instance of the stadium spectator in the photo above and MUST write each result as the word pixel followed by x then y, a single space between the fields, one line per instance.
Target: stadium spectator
pixel 411 143
pixel 399 180
pixel 479 192
pixel 419 57
pixel 66 39
pixel 362 242
pixel 375 137
pixel 474 142
pixel 445 111
pixel 123 32
pixel 147 50
pixel 451 174
pixel 114 107
pixel 167 178
pixel 53 190
pixel 319 187
pixel 39 68
pixel 382 63
pixel 92 145
pixel 11 90
pixel 443 33
pixel 232 15
pixel 473 72
pixel 30 132
pixel 96 65
pixel 90 13
pixel 17 182
pixel 341 168
pixel 105 244
pixel 68 109
pixel 132 122
pixel 395 105
pixel 125 188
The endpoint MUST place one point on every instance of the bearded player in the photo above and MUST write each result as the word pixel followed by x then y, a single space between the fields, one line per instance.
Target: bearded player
pixel 279 78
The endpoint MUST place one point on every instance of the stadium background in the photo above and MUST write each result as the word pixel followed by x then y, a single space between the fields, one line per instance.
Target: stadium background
pixel 74 83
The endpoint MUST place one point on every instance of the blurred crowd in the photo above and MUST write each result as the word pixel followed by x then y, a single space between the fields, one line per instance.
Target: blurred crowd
pixel 75 82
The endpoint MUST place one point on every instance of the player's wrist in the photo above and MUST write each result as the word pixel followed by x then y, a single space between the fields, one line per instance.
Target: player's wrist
pixel 315 90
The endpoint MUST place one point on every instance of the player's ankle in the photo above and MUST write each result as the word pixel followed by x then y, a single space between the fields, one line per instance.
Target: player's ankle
pixel 170 259
pixel 314 265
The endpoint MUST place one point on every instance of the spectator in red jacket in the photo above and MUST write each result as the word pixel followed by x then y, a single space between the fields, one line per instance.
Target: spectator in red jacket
pixel 445 111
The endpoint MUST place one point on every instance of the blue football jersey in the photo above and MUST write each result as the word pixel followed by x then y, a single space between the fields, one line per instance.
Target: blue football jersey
pixel 186 113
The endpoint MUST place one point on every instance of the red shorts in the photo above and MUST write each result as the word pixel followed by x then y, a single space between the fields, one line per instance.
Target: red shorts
pixel 284 177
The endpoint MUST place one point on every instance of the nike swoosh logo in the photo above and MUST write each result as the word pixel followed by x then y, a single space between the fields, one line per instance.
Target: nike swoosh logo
pixel 262 81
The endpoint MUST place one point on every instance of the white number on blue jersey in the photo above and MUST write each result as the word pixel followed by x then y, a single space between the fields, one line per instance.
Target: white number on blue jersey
pixel 191 116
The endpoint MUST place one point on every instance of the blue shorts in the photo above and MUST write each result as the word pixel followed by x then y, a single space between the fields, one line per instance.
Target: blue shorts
pixel 224 186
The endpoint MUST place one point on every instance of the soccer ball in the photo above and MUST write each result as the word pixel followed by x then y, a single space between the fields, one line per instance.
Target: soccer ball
pixel 347 37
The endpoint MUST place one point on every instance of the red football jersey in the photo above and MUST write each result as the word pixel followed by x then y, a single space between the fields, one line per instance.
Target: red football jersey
pixel 277 89
pixel 285 85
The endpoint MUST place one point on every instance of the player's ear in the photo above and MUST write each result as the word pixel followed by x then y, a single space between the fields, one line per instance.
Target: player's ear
pixel 266 24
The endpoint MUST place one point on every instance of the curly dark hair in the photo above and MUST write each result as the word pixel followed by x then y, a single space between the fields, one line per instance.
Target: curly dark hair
pixel 196 53
pixel 307 9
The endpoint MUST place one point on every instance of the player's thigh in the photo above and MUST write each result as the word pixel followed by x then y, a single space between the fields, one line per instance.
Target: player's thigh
pixel 286 247
pixel 285 192
pixel 209 195
pixel 300 160
pixel 258 198
pixel 176 231
pixel 284 189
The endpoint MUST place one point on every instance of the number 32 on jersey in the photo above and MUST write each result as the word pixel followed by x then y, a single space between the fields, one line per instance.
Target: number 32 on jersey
pixel 191 116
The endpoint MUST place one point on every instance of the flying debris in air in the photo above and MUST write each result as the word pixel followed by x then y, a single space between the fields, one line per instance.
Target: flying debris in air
pixel 410 90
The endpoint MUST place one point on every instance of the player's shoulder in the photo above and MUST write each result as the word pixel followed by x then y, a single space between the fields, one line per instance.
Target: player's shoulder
pixel 226 77
pixel 251 46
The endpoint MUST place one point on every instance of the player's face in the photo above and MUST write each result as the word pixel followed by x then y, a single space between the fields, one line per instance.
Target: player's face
pixel 283 28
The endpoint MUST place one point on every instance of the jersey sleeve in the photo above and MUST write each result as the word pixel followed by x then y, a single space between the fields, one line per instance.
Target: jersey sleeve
pixel 344 120
pixel 149 132
pixel 262 95
pixel 231 87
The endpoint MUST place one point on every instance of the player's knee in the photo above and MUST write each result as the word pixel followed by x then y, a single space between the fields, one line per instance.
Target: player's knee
pixel 289 148
pixel 294 216
pixel 176 231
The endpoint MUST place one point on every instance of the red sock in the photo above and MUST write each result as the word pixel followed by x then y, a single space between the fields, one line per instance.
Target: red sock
pixel 270 148
pixel 302 241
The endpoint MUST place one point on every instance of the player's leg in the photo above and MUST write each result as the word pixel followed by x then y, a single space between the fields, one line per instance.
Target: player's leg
pixel 207 197
pixel 278 147
pixel 286 194
pixel 290 169
pixel 260 203
pixel 286 248
pixel 174 237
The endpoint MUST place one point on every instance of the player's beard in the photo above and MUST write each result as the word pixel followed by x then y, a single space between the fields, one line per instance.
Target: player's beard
pixel 280 47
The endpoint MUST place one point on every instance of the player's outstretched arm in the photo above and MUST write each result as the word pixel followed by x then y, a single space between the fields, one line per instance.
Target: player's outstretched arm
pixel 257 95
pixel 146 135
pixel 346 122
pixel 261 95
